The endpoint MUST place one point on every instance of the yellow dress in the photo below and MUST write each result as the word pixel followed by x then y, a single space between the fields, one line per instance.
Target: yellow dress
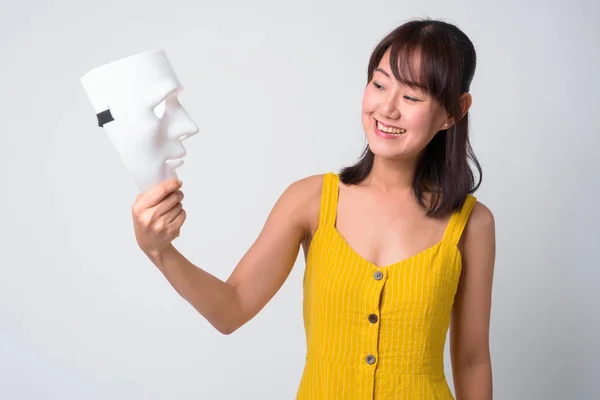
pixel 377 332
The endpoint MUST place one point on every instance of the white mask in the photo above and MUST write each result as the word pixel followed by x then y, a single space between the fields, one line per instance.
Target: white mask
pixel 136 102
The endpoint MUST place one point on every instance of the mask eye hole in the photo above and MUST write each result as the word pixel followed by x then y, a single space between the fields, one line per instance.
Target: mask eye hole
pixel 159 110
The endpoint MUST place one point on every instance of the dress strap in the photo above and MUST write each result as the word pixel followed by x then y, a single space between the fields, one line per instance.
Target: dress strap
pixel 329 197
pixel 458 221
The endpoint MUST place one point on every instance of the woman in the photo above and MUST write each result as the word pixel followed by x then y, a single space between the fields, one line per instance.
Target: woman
pixel 397 248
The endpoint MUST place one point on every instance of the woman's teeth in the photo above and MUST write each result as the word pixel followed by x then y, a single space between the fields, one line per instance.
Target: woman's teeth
pixel 390 130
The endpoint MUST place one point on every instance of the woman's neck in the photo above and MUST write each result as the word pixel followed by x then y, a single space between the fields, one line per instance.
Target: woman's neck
pixel 391 176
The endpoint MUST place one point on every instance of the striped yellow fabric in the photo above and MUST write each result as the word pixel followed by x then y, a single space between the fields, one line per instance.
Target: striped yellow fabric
pixel 377 332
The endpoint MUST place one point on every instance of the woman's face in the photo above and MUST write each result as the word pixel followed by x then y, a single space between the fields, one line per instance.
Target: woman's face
pixel 399 121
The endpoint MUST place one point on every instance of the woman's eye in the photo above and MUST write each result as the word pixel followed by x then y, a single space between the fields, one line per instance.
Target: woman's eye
pixel 377 85
pixel 411 99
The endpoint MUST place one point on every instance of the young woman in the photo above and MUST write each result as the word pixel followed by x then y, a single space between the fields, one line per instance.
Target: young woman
pixel 397 247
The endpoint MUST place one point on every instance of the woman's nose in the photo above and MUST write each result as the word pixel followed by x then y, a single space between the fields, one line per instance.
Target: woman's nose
pixel 389 108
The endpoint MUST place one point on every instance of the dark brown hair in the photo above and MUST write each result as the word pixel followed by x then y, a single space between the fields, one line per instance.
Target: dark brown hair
pixel 447 66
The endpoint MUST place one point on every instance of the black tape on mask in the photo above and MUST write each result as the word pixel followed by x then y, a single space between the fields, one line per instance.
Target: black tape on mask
pixel 104 117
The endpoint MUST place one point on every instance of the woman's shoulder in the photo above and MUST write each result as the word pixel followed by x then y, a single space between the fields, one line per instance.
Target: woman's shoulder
pixel 306 195
pixel 307 189
pixel 308 186
pixel 479 227
pixel 480 218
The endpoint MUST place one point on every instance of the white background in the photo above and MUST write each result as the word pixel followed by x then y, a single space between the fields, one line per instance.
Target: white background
pixel 276 90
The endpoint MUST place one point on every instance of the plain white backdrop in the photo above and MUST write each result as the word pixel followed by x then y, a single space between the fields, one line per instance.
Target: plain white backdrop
pixel 276 88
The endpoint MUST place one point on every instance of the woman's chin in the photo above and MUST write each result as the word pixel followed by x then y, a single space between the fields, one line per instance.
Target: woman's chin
pixel 384 150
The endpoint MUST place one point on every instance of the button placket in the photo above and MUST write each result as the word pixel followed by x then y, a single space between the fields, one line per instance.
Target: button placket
pixel 373 318
pixel 378 275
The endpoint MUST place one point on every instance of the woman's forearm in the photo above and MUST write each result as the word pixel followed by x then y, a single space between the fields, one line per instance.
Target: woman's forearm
pixel 216 300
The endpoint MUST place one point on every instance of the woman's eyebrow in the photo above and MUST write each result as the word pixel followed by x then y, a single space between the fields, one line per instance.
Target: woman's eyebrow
pixel 382 71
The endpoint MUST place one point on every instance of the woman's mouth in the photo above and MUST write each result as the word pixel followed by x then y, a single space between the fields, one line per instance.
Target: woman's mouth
pixel 388 131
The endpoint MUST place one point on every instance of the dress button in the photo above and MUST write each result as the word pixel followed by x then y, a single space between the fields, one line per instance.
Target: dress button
pixel 370 359
pixel 378 275
pixel 372 318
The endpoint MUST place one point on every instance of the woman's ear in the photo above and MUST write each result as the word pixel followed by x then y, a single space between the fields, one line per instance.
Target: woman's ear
pixel 465 103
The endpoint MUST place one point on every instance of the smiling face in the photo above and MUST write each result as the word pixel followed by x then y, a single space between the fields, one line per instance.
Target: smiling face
pixel 399 121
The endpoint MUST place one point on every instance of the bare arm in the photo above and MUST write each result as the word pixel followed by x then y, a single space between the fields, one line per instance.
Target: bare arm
pixel 260 273
pixel 469 333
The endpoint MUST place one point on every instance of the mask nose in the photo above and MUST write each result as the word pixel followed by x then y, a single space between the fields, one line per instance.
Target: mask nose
pixel 182 126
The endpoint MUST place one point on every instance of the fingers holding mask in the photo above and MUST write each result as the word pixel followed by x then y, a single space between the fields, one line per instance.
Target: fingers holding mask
pixel 170 201
pixel 160 192
pixel 156 226
pixel 173 213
